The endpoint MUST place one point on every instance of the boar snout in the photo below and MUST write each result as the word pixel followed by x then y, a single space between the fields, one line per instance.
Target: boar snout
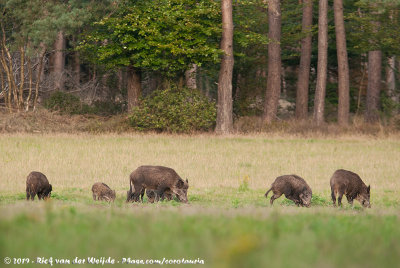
pixel 366 204
pixel 183 199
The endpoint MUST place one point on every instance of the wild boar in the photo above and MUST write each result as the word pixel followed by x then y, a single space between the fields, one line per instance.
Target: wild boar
pixel 101 191
pixel 344 182
pixel 151 195
pixel 37 184
pixel 159 179
pixel 293 187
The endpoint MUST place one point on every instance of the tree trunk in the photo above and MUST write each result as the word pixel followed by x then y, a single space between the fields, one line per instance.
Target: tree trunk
pixel 391 79
pixel 4 91
pixel 224 107
pixel 59 61
pixel 207 87
pixel 343 65
pixel 305 61
pixel 274 62
pixel 134 87
pixel 320 90
pixel 77 68
pixel 374 86
pixel 22 77
pixel 28 98
pixel 121 80
pixel 190 77
pixel 39 74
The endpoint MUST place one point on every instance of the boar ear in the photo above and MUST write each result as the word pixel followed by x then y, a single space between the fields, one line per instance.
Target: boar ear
pixel 368 188
pixel 187 181
pixel 179 183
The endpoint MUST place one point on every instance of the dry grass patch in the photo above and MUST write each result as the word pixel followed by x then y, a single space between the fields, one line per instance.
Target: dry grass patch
pixel 209 162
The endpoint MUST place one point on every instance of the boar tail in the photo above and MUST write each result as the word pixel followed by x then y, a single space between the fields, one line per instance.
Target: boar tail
pixel 266 194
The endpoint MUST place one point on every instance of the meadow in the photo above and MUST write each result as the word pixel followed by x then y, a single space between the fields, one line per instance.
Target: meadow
pixel 227 223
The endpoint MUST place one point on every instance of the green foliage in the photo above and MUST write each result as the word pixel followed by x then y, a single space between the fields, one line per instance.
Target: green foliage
pixel 373 25
pixel 318 200
pixel 40 21
pixel 174 110
pixel 65 103
pixel 163 35
pixel 388 105
pixel 70 104
pixel 106 108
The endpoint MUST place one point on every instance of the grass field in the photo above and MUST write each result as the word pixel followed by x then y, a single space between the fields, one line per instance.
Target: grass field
pixel 228 222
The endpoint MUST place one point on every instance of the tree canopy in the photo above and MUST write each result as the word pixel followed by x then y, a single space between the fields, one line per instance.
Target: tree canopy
pixel 162 35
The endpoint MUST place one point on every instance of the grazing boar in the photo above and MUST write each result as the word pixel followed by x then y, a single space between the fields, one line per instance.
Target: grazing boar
pixel 37 184
pixel 101 191
pixel 344 182
pixel 293 187
pixel 151 195
pixel 159 179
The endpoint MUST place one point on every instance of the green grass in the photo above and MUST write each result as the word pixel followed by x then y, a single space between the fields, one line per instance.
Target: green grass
pixel 228 221
pixel 279 237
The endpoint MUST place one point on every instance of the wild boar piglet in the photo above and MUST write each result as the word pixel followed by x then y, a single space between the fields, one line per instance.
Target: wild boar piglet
pixel 293 187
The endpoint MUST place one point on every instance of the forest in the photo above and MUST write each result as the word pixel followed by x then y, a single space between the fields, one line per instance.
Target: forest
pixel 246 133
pixel 186 65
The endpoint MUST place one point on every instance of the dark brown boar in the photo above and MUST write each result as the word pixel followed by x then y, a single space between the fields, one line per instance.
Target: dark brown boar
pixel 37 184
pixel 293 187
pixel 101 191
pixel 151 195
pixel 159 179
pixel 344 182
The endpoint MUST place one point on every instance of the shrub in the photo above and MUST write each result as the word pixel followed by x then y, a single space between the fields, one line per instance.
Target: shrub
pixel 70 104
pixel 174 110
pixel 106 108
pixel 65 103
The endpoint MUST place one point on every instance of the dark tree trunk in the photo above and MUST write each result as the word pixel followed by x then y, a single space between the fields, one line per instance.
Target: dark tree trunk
pixel 374 86
pixel 77 68
pixel 343 64
pixel 305 60
pixel 224 109
pixel 320 90
pixel 274 62
pixel 59 61
pixel 134 87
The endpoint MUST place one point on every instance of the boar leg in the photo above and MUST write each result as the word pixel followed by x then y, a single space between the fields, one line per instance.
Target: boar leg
pixel 160 192
pixel 350 200
pixel 275 196
pixel 340 194
pixel 137 193
pixel 333 197
pixel 291 197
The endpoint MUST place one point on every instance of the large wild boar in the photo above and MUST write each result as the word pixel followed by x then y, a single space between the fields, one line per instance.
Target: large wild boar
pixel 159 179
pixel 37 184
pixel 293 187
pixel 344 182
pixel 101 191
